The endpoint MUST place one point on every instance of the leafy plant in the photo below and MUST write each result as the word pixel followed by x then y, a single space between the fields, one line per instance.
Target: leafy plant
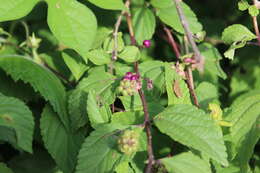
pixel 117 86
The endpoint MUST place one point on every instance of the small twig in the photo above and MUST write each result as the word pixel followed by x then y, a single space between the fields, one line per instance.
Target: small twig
pixel 255 23
pixel 189 76
pixel 147 123
pixel 172 42
pixel 185 24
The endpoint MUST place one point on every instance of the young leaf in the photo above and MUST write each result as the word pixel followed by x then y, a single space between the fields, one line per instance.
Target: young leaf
pixel 73 24
pixel 170 17
pixel 186 162
pixel 245 131
pixel 99 153
pixel 243 5
pixel 130 54
pixel 109 43
pixel 253 10
pixel 192 127
pixel 41 79
pixel 14 114
pixel 75 64
pixel 162 4
pixel 15 9
pixel 237 33
pixel 96 117
pixel 144 24
pixel 101 83
pixel 62 144
pixel 98 57
pixel 109 4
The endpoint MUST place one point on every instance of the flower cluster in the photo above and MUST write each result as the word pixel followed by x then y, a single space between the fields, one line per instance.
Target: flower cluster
pixel 130 84
pixel 128 142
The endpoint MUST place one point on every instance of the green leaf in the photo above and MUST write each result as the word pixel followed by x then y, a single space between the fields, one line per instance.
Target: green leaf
pixel 4 168
pixel 41 79
pixel 213 57
pixel 109 4
pixel 96 117
pixel 245 131
pixel 99 57
pixel 101 83
pixel 177 90
pixel 253 10
pixel 73 24
pixel 162 4
pixel 144 24
pixel 102 34
pixel 237 33
pixel 206 93
pixel 15 9
pixel 130 54
pixel 186 162
pixel 63 145
pixel 170 17
pixel 243 5
pixel 109 43
pixel 124 167
pixel 75 64
pixel 128 118
pixel 194 128
pixel 77 104
pixel 99 152
pixel 14 114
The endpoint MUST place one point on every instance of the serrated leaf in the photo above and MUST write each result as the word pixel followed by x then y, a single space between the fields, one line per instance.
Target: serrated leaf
pixel 99 57
pixel 73 24
pixel 4 168
pixel 74 63
pixel 77 104
pixel 62 144
pixel 99 152
pixel 14 114
pixel 101 83
pixel 206 93
pixel 170 17
pixel 245 131
pixel 144 24
pixel 109 4
pixel 253 10
pixel 41 79
pixel 237 33
pixel 243 5
pixel 186 162
pixel 15 9
pixel 194 128
pixel 130 54
pixel 96 117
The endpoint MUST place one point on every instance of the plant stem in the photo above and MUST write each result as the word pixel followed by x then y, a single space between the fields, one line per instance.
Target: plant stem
pixel 172 42
pixel 185 24
pixel 189 76
pixel 147 123
pixel 255 23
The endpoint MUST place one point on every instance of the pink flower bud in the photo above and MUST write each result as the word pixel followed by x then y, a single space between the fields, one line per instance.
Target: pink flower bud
pixel 134 77
pixel 147 43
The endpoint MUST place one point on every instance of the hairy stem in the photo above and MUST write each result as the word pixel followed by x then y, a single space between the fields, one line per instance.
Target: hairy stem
pixel 255 23
pixel 185 24
pixel 172 42
pixel 142 96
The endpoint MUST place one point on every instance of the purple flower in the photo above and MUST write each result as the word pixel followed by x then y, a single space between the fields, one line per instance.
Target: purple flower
pixel 147 43
pixel 134 77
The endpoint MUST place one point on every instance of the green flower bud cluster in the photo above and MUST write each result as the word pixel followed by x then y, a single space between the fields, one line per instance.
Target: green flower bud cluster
pixel 128 142
pixel 130 84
